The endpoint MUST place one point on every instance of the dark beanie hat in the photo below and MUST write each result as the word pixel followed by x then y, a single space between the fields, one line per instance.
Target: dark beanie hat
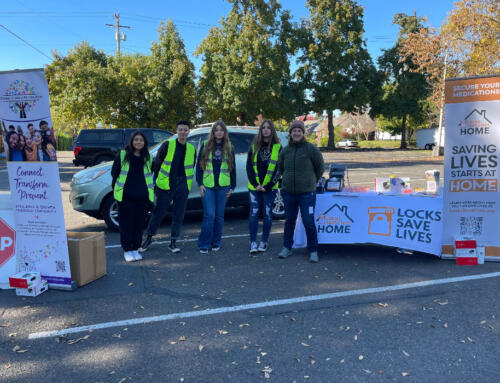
pixel 297 124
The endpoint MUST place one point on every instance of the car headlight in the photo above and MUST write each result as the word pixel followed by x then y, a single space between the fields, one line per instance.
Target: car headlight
pixel 89 176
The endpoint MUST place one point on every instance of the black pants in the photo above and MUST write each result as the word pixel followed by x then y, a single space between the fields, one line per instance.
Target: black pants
pixel 132 213
pixel 177 195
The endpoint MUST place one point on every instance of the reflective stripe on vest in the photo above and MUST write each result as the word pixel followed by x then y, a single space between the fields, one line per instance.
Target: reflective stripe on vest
pixel 208 173
pixel 270 167
pixel 163 181
pixel 122 178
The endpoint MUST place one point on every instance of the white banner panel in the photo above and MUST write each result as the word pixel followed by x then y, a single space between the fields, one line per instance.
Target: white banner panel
pixel 408 221
pixel 34 175
pixel 471 164
pixel 7 241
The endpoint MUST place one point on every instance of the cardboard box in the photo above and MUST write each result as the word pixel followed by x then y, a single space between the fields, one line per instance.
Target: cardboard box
pixel 87 256
pixel 25 280
pixel 33 291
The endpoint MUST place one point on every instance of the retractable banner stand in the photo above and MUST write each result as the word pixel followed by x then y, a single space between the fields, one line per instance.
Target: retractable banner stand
pixel 471 206
pixel 30 149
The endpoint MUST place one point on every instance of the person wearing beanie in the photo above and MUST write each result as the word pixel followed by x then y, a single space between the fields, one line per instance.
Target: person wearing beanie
pixel 301 166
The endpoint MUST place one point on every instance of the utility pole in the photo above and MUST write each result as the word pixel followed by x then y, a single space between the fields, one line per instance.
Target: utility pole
pixel 117 27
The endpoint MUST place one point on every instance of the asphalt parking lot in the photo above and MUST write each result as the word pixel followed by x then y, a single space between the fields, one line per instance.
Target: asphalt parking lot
pixel 362 314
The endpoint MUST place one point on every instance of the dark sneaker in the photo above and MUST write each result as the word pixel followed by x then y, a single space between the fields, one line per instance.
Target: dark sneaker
pixel 215 248
pixel 173 247
pixel 285 253
pixel 253 248
pixel 146 243
pixel 262 247
pixel 313 257
pixel 203 251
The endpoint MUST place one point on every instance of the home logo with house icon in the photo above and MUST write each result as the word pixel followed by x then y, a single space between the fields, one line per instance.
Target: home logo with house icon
pixel 475 123
pixel 334 220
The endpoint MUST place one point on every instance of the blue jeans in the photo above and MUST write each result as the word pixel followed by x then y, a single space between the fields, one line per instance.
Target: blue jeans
pixel 307 203
pixel 261 201
pixel 214 202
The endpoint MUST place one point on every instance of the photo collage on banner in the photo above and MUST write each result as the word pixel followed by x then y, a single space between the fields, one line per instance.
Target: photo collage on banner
pixel 471 196
pixel 30 150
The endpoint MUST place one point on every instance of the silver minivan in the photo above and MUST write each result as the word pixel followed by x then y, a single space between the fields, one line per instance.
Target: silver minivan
pixel 91 191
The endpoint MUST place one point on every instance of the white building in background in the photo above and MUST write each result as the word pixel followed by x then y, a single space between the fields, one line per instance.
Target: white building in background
pixel 381 135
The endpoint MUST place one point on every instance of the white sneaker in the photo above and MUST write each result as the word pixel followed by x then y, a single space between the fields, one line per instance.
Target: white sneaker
pixel 137 255
pixel 253 247
pixel 129 256
pixel 262 247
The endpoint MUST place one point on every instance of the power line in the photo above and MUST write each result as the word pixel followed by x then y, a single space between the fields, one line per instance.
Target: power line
pixel 24 41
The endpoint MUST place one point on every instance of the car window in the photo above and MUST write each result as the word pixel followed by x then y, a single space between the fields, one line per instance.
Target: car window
pixel 241 142
pixel 159 136
pixel 149 136
pixel 89 136
pixel 197 139
pixel 111 135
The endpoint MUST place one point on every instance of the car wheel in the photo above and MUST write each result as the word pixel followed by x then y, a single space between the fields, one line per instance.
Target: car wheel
pixel 431 146
pixel 278 206
pixel 426 147
pixel 102 159
pixel 109 212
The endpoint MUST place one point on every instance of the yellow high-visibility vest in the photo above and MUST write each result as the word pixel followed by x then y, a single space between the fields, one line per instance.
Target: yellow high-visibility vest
pixel 122 178
pixel 163 181
pixel 270 168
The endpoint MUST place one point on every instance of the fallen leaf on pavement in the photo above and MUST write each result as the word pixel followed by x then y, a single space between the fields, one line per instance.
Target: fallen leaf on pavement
pixel 8 365
pixel 73 341
pixel 304 344
pixel 339 276
pixel 122 380
pixel 405 373
pixel 440 303
pixel 361 357
pixel 367 371
pixel 470 340
pixel 445 325
pixel 222 332
pixel 182 339
pixel 342 361
pixel 293 319
pixel 404 352
pixel 172 342
pixel 267 371
pixel 244 325
pixel 201 347
pixel 383 304
pixel 130 284
pixel 5 325
pixel 12 334
pixel 17 349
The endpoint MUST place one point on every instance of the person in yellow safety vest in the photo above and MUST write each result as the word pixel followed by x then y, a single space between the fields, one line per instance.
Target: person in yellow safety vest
pixel 133 189
pixel 216 177
pixel 263 177
pixel 174 171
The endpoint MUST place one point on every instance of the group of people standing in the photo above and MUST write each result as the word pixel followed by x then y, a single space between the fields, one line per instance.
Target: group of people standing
pixel 137 179
pixel 32 145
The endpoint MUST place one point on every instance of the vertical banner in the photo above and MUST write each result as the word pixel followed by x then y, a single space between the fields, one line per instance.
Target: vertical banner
pixel 30 149
pixel 471 196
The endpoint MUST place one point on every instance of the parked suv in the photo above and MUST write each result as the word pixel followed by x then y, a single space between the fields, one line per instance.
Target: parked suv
pixel 91 191
pixel 93 146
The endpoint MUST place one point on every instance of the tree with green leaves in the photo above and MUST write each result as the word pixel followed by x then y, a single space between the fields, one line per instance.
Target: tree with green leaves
pixel 335 65
pixel 245 69
pixel 405 92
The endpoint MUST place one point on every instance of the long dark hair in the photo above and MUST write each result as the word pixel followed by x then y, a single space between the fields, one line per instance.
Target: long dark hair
pixel 258 141
pixel 210 146
pixel 7 139
pixel 129 149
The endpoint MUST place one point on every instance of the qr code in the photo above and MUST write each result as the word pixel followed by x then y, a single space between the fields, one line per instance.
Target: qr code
pixel 471 225
pixel 60 266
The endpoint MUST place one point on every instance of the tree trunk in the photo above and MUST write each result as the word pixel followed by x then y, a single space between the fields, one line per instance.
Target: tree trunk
pixel 331 142
pixel 403 134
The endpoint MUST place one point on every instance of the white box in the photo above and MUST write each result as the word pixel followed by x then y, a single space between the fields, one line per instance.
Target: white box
pixel 33 291
pixel 480 255
pixel 25 280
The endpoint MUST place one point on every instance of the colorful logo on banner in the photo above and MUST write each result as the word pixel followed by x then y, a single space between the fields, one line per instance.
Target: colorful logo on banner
pixel 380 220
pixel 7 242
pixel 335 220
pixel 21 97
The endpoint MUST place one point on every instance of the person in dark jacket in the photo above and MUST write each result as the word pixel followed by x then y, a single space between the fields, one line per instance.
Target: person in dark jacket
pixel 173 168
pixel 262 173
pixel 301 166
pixel 133 189
pixel 216 177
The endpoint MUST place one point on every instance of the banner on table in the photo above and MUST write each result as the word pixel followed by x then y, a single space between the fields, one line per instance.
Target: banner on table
pixel 410 222
pixel 471 163
pixel 30 149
